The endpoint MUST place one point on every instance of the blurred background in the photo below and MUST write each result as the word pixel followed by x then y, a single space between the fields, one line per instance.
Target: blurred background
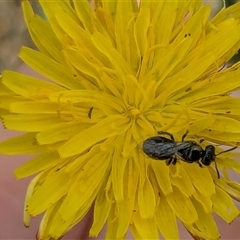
pixel 13 32
pixel 13 35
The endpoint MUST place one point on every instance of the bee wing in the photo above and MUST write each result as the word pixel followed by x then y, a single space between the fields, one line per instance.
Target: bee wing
pixel 159 139
pixel 160 149
pixel 181 149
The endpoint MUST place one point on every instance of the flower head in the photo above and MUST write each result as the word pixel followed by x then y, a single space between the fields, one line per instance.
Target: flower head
pixel 117 73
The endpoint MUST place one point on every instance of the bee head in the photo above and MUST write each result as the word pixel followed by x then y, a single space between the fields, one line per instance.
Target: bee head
pixel 209 155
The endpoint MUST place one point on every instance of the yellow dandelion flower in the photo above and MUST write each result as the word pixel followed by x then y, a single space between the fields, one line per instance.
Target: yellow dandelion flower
pixel 119 72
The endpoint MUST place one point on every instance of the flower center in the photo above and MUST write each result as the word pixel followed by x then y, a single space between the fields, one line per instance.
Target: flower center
pixel 133 112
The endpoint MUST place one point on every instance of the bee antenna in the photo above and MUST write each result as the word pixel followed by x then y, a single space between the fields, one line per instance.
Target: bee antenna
pixel 184 135
pixel 227 150
pixel 218 174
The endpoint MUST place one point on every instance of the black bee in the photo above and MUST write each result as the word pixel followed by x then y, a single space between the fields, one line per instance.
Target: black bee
pixel 161 148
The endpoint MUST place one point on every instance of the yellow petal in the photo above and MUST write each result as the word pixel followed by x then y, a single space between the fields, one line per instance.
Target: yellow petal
pixel 58 184
pixel 60 132
pixel 201 178
pixel 144 228
pixel 224 206
pixel 172 57
pixel 6 101
pixel 25 144
pixel 102 208
pixel 29 122
pixel 38 107
pixel 59 226
pixel 27 86
pixel 100 131
pixel 201 124
pixel 48 218
pixel 78 96
pixel 162 175
pixel 206 223
pixel 104 45
pixel 85 14
pixel 51 8
pixel 146 195
pixel 195 232
pixel 194 26
pixel 42 33
pixel 231 188
pixel 37 164
pixel 166 220
pixel 80 161
pixel 112 224
pixel 224 13
pixel 226 124
pixel 83 63
pixel 30 190
pixel 109 77
pixel 182 181
pixel 49 68
pixel 80 36
pixel 89 179
pixel 219 105
pixel 163 10
pixel 118 169
pixel 221 85
pixel 181 81
pixel 126 208
pixel 3 112
pixel 142 26
pixel 123 18
pixel 204 200
pixel 221 137
pixel 182 206
pixel 4 91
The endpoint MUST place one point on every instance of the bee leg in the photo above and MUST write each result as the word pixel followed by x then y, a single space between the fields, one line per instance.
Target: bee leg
pixel 169 161
pixel 184 135
pixel 200 165
pixel 167 133
pixel 174 161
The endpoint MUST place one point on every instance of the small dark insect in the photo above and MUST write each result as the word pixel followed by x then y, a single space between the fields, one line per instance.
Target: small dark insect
pixel 188 89
pixel 187 35
pixel 90 113
pixel 161 148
